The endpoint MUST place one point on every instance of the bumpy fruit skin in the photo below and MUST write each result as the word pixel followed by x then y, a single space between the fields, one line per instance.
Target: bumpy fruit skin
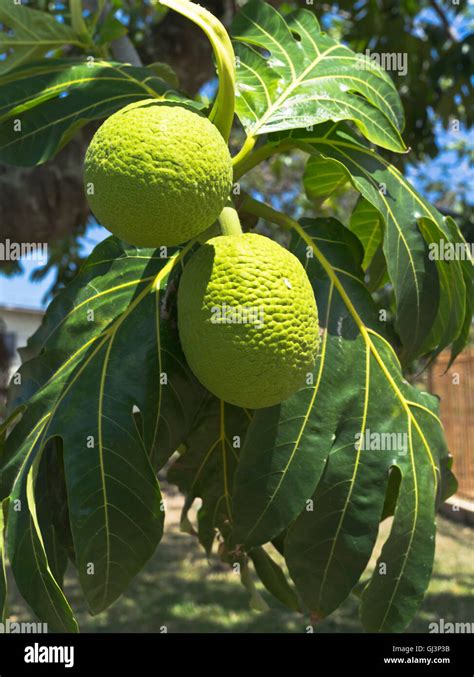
pixel 161 173
pixel 250 364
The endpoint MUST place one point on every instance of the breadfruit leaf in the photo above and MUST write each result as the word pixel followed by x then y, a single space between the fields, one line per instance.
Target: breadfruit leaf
pixel 366 223
pixel 379 422
pixel 30 33
pixel 433 297
pixel 52 510
pixel 290 74
pixel 45 103
pixel 25 546
pixel 273 578
pixel 106 375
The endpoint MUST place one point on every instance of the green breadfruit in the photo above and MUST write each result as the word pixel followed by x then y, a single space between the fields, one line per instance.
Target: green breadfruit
pixel 247 320
pixel 157 173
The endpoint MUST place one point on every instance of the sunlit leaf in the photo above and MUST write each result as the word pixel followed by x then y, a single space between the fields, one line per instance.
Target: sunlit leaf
pixel 45 103
pixel 281 462
pixel 29 33
pixel 290 75
pixel 379 422
pixel 366 223
pixel 431 299
pixel 323 177
pixel 108 347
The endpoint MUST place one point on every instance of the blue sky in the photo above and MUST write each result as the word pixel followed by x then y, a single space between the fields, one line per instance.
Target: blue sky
pixel 20 291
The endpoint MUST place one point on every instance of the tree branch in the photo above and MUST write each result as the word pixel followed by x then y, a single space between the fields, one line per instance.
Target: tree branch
pixel 443 18
pixel 124 50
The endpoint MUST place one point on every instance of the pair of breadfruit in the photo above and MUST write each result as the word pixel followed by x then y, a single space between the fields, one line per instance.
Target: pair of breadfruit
pixel 159 174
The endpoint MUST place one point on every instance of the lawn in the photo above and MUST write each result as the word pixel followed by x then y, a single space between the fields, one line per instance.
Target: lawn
pixel 181 590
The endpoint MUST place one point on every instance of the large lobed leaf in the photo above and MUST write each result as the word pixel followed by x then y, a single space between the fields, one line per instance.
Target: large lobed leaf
pixel 290 75
pixel 98 417
pixel 433 297
pixel 307 450
pixel 106 375
pixel 45 103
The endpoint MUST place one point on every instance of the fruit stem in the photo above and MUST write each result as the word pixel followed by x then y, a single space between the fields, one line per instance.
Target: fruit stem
pixel 229 220
pixel 222 113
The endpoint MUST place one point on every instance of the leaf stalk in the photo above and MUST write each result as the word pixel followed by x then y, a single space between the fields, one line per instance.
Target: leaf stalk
pixel 222 113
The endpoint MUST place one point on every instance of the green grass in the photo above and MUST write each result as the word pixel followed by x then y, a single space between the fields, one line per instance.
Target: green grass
pixel 182 590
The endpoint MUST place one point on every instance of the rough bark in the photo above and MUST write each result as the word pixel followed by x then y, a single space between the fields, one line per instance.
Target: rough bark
pixel 47 202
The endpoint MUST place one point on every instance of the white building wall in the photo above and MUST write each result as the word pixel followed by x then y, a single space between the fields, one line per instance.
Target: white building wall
pixel 22 322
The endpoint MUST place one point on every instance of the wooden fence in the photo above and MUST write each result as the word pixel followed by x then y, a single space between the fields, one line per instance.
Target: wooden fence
pixel 455 387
